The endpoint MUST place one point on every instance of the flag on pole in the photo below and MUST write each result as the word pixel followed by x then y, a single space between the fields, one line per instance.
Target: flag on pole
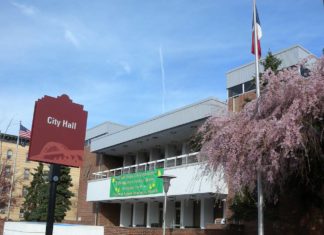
pixel 256 29
pixel 24 132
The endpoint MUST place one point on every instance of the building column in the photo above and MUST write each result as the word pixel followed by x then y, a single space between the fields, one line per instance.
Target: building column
pixel 134 214
pixel 148 215
pixel 202 213
pixel 224 210
pixel 184 148
pixel 182 214
pixel 170 215
pixel 139 214
pixel 125 215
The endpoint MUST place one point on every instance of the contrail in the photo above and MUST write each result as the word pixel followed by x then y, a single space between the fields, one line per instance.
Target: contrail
pixel 163 80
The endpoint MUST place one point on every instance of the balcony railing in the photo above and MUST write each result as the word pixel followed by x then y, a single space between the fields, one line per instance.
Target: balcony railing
pixel 165 163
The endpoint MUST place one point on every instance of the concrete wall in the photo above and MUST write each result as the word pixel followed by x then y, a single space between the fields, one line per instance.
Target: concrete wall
pixel 190 179
pixel 126 215
pixel 139 214
pixel 153 217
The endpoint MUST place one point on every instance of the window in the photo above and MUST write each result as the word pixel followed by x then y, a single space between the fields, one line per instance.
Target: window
pixel 24 191
pixel 7 171
pixel 9 154
pixel 26 174
pixel 21 213
pixel 249 86
pixel 235 90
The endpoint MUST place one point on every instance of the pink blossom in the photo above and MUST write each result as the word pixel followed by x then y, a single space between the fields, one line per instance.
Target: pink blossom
pixel 272 134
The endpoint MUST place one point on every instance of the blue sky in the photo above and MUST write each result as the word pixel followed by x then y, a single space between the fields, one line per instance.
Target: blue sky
pixel 105 53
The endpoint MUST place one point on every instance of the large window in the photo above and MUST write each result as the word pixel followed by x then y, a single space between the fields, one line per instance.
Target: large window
pixel 239 89
pixel 235 90
pixel 249 86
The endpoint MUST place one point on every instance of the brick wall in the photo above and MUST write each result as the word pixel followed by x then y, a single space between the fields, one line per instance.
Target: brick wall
pixel 108 213
pixel 86 209
pixel 239 101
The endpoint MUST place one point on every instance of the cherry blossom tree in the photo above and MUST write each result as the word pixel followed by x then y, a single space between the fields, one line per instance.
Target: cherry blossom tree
pixel 281 134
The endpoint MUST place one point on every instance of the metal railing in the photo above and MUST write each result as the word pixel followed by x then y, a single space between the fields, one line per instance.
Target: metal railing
pixel 165 163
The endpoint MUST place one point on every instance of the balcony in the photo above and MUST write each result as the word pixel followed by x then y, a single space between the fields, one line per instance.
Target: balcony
pixel 189 170
pixel 185 159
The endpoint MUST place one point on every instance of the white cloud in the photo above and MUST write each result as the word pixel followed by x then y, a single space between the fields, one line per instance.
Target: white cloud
pixel 26 10
pixel 70 37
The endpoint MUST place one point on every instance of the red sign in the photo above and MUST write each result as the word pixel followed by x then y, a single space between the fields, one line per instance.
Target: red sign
pixel 58 131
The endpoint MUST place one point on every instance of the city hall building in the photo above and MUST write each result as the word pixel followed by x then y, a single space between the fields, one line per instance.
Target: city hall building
pixel 119 182
pixel 119 178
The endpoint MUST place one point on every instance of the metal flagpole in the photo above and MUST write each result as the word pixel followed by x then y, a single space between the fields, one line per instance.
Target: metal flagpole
pixel 13 175
pixel 259 184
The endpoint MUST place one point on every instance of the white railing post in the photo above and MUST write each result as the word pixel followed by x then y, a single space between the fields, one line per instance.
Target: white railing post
pixel 152 165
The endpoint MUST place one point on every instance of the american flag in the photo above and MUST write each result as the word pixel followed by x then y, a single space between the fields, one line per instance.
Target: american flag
pixel 24 132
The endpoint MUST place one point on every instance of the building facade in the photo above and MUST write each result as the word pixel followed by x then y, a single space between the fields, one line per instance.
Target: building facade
pixel 240 81
pixel 122 166
pixel 14 160
pixel 120 160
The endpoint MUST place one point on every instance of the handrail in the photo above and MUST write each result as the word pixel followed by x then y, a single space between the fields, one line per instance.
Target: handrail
pixel 186 159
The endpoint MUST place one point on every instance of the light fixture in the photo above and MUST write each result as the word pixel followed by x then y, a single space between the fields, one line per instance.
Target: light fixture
pixel 166 185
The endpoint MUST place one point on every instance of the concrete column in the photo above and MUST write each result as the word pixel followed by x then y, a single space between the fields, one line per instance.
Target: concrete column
pixel 148 215
pixel 170 215
pixel 154 214
pixel 139 212
pixel 182 214
pixel 134 214
pixel 185 148
pixel 202 213
pixel 125 215
pixel 224 209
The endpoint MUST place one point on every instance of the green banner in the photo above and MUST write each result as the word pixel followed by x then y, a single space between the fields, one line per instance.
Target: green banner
pixel 135 184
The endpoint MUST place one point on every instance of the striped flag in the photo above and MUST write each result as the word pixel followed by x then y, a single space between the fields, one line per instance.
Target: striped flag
pixel 258 31
pixel 24 132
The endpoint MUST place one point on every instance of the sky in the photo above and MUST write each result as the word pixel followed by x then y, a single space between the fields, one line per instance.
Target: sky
pixel 113 56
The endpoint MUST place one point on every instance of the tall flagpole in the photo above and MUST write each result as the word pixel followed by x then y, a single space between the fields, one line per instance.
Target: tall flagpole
pixel 13 175
pixel 259 184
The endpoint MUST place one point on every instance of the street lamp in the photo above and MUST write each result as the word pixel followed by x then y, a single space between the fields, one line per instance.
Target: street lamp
pixel 166 184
